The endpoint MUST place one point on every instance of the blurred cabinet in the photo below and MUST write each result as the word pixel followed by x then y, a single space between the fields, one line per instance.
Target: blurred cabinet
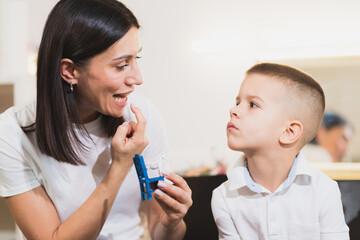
pixel 7 224
pixel 6 96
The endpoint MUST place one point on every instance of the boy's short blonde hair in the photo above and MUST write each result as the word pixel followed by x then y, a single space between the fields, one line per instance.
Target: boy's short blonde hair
pixel 306 97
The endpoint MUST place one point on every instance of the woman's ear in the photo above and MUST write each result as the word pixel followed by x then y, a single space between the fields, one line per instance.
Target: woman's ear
pixel 68 71
pixel 292 133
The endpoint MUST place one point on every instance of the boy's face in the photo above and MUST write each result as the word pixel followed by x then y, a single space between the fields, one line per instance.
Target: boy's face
pixel 258 119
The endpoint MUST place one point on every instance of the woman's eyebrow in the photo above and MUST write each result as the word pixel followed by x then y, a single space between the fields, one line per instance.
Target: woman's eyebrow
pixel 126 56
pixel 123 57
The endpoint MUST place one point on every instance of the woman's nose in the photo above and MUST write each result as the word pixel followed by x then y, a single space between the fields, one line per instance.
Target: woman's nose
pixel 134 77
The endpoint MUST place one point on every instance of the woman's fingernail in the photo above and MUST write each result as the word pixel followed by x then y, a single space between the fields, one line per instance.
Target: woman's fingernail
pixel 161 184
pixel 165 173
pixel 158 193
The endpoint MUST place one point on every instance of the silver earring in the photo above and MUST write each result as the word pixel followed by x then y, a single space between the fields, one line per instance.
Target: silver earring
pixel 71 87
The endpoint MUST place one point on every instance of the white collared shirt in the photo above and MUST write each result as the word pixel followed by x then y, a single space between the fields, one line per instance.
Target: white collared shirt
pixel 306 206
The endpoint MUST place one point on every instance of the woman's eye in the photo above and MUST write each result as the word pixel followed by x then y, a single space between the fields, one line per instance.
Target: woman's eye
pixel 137 57
pixel 122 66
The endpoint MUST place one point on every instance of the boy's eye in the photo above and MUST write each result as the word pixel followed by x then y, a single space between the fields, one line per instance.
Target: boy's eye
pixel 253 105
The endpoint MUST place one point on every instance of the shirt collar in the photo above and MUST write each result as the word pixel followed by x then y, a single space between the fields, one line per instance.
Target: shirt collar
pixel 240 177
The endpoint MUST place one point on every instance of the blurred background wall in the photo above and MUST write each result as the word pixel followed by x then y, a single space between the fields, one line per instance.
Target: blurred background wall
pixel 195 53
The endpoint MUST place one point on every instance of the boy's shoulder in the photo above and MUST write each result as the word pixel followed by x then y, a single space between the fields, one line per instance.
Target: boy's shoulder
pixel 305 175
pixel 321 181
pixel 223 187
pixel 318 178
pixel 235 180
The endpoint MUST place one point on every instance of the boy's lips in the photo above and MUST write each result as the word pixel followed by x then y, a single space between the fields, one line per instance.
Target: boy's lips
pixel 230 125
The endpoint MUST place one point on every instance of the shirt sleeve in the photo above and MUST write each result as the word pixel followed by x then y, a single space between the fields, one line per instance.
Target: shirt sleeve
pixel 332 221
pixel 16 176
pixel 223 220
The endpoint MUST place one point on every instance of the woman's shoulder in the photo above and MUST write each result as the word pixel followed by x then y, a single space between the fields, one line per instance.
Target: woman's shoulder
pixel 19 115
pixel 26 115
pixel 14 118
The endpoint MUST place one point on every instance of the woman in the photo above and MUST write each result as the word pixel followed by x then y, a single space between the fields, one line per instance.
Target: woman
pixel 66 168
pixel 334 136
pixel 332 141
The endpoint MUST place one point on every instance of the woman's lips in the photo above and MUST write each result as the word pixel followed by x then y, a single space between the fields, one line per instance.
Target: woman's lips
pixel 230 125
pixel 120 100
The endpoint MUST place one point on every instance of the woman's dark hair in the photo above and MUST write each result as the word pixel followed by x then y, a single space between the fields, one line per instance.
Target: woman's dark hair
pixel 331 120
pixel 77 30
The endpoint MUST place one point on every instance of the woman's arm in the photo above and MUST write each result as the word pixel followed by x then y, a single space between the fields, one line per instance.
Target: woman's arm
pixel 37 217
pixel 166 213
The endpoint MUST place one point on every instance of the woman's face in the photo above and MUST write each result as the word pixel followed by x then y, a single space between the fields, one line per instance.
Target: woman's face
pixel 336 141
pixel 107 80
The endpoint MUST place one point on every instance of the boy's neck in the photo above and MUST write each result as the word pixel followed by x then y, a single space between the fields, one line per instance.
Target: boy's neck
pixel 270 169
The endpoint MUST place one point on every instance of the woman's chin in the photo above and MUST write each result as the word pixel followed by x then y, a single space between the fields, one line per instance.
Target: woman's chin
pixel 116 114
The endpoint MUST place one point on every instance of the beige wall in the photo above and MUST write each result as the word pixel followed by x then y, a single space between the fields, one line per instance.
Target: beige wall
pixel 194 90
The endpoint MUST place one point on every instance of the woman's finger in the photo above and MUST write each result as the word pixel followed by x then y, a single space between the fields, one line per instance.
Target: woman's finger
pixel 169 204
pixel 178 181
pixel 133 127
pixel 130 129
pixel 141 121
pixel 175 192
pixel 121 133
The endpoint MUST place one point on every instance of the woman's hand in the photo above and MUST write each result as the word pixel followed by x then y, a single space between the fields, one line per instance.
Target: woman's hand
pixel 175 202
pixel 129 139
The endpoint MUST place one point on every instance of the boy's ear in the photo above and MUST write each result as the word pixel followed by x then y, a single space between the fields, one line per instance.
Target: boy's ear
pixel 68 71
pixel 292 133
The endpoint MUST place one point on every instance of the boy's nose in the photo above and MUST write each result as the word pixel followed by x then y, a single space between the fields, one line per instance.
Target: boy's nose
pixel 233 112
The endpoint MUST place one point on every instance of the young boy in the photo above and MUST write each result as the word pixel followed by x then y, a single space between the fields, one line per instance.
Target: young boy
pixel 272 193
